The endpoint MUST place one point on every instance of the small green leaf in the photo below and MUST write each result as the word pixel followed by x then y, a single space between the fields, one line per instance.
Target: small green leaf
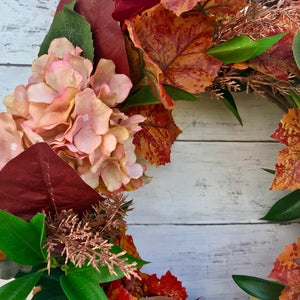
pixel 259 288
pixel 228 100
pixel 38 221
pixel 179 94
pixel 19 288
pixel 142 97
pixel 50 284
pixel 19 240
pixel 285 209
pixel 296 48
pixel 242 48
pixel 269 171
pixel 79 287
pixel 74 27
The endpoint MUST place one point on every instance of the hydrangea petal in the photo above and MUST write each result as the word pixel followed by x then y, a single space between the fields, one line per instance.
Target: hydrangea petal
pixel 61 46
pixel 108 145
pixel 111 175
pixel 10 139
pixel 60 75
pixel 40 93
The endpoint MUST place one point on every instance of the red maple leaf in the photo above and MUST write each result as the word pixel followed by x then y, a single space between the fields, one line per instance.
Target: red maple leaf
pixel 107 34
pixel 168 285
pixel 38 180
pixel 159 133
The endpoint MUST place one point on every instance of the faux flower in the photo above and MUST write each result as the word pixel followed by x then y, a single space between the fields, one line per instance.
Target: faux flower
pixel 75 113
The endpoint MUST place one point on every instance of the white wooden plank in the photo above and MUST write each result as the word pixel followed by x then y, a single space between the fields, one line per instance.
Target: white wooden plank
pixel 214 182
pixel 205 257
pixel 23 26
pixel 210 119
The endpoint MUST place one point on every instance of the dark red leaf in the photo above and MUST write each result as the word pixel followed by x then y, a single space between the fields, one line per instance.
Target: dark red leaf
pixel 107 35
pixel 38 180
pixel 125 9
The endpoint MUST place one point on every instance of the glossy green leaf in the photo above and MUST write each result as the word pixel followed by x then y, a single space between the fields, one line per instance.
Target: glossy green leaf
pixel 228 100
pixel 285 209
pixel 38 221
pixel 74 27
pixel 50 284
pixel 242 48
pixel 258 287
pixel 179 94
pixel 293 99
pixel 142 97
pixel 269 171
pixel 104 274
pixel 296 48
pixel 20 241
pixel 80 287
pixel 19 288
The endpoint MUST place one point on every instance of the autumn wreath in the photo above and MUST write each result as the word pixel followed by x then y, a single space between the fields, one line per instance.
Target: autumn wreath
pixel 101 93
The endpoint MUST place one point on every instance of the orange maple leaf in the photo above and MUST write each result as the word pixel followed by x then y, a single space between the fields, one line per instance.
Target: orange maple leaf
pixel 287 266
pixel 287 175
pixel 173 49
pixel 168 285
pixel 159 133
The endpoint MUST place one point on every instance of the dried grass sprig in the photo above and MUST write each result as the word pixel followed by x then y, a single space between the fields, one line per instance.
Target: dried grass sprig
pixel 264 17
pixel 85 239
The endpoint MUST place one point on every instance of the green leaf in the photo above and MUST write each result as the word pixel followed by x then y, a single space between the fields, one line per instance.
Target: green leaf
pixel 104 274
pixel 74 27
pixel 179 94
pixel 296 48
pixel 81 288
pixel 38 221
pixel 19 240
pixel 229 102
pixel 293 99
pixel 50 284
pixel 242 48
pixel 142 97
pixel 259 288
pixel 269 171
pixel 19 288
pixel 285 209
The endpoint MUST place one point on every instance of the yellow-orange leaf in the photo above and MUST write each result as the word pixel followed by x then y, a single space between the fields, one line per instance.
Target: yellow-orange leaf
pixel 159 133
pixel 287 175
pixel 288 131
pixel 287 266
pixel 174 47
pixel 290 293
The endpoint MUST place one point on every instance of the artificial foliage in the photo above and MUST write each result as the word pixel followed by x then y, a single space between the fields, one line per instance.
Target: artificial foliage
pixel 101 93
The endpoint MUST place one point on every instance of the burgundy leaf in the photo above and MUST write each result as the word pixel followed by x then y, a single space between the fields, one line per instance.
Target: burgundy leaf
pixel 38 180
pixel 125 9
pixel 107 35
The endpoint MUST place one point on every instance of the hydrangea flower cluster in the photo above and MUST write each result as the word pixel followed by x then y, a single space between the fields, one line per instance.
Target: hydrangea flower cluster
pixel 76 114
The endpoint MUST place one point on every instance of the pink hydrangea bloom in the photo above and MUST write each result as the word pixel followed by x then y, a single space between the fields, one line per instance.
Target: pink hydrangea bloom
pixel 76 114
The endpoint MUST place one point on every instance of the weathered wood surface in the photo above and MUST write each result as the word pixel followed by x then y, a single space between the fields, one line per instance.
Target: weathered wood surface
pixel 200 215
